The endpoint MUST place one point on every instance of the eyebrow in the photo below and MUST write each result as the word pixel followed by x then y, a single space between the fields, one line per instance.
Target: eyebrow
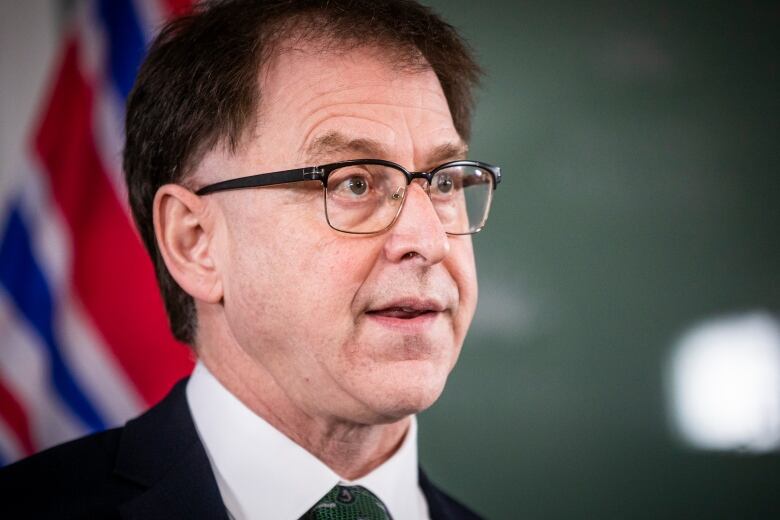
pixel 334 142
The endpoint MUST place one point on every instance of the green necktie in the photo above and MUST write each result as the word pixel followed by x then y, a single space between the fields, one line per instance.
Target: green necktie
pixel 348 503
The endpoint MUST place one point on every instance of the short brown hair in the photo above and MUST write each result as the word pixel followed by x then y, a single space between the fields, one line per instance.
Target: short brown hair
pixel 198 88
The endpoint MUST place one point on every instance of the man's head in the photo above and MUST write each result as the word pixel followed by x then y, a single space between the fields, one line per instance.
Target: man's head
pixel 366 327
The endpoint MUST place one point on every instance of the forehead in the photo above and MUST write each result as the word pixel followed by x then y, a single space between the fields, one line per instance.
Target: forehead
pixel 308 96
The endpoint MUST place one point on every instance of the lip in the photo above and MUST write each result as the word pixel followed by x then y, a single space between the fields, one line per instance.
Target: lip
pixel 423 313
pixel 419 304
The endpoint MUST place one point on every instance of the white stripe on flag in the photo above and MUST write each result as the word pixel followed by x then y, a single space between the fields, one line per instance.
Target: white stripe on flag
pixel 108 124
pixel 97 371
pixel 92 51
pixel 10 449
pixel 151 16
pixel 24 367
pixel 108 109
pixel 50 240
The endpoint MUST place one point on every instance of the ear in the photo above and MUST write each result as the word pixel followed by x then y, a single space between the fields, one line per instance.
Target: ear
pixel 183 230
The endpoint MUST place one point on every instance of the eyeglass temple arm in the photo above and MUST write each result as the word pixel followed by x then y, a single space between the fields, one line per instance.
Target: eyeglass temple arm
pixel 264 179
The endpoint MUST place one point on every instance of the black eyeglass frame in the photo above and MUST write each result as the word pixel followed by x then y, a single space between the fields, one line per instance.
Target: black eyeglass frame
pixel 323 171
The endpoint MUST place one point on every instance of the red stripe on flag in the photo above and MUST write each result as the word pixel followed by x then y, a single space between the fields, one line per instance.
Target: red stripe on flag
pixel 177 7
pixel 15 417
pixel 112 274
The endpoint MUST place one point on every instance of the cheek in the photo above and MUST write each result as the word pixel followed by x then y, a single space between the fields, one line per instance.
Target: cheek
pixel 341 261
pixel 462 268
pixel 250 288
pixel 343 264
pixel 295 284
pixel 262 261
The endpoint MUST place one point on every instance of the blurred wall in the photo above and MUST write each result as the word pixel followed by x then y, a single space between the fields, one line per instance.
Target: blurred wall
pixel 639 146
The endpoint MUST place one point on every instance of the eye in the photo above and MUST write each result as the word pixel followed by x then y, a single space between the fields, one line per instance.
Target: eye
pixel 444 184
pixel 364 182
pixel 352 184
pixel 357 185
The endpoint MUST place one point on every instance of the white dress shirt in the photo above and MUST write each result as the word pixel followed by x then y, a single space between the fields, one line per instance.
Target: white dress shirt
pixel 261 473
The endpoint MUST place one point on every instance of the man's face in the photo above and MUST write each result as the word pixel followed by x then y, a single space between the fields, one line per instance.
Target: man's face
pixel 363 328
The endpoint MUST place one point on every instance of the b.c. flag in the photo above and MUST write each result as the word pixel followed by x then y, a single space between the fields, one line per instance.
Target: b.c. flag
pixel 84 341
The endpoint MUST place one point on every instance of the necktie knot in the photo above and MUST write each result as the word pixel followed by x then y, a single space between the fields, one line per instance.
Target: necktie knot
pixel 348 503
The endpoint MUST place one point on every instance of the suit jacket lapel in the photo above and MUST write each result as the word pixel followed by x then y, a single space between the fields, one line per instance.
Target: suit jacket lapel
pixel 436 505
pixel 440 505
pixel 161 451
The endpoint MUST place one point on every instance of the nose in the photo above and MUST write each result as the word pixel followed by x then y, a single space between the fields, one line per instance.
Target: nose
pixel 417 232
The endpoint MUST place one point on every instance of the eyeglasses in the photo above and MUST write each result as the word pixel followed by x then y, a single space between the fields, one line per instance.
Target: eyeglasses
pixel 366 195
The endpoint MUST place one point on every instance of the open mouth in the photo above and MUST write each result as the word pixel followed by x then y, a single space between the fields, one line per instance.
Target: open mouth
pixel 403 313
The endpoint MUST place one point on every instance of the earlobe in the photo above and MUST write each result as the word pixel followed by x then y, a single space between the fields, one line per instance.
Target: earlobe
pixel 183 231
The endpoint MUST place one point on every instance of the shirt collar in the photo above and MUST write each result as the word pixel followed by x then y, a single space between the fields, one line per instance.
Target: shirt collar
pixel 261 473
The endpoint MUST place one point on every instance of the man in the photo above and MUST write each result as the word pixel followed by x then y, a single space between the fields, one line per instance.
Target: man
pixel 325 287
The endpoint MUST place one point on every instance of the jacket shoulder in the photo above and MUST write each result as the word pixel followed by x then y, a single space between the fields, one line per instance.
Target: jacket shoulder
pixel 153 467
pixel 71 480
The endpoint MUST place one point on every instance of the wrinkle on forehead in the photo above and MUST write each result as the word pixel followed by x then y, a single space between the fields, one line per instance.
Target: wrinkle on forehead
pixel 315 93
pixel 308 95
pixel 397 58
pixel 335 142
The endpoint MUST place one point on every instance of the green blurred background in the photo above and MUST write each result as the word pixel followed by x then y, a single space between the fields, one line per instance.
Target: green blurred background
pixel 639 145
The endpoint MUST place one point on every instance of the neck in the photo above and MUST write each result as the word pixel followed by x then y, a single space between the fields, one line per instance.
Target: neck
pixel 349 448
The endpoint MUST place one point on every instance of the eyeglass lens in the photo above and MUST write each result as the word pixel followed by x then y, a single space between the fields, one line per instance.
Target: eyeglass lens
pixel 367 198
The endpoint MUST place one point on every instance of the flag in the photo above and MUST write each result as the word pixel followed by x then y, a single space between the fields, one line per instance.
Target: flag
pixel 84 340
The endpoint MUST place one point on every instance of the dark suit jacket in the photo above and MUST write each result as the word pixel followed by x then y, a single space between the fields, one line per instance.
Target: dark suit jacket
pixel 153 467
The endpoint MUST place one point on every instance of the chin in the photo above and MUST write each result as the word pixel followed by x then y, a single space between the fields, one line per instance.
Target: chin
pixel 405 389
